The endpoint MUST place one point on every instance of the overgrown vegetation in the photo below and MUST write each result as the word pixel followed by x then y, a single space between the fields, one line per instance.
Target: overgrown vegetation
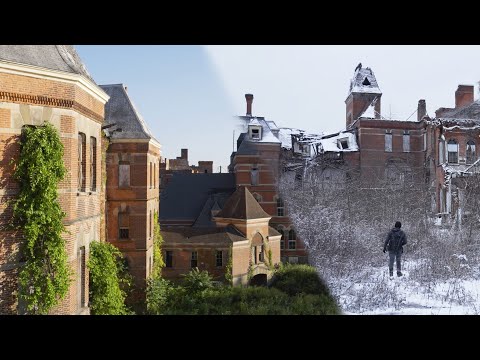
pixel 198 295
pixel 158 262
pixel 228 267
pixel 345 222
pixel 45 275
pixel 107 280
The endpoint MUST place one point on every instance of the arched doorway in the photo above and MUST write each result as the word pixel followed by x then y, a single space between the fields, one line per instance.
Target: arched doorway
pixel 259 280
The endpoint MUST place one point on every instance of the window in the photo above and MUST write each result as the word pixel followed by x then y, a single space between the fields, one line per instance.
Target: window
pixel 471 152
pixel 168 259
pixel 406 141
pixel 424 141
pixel 93 163
pixel 342 143
pixel 81 161
pixel 151 174
pixel 441 151
pixel 452 148
pixel 260 254
pixel 82 277
pixel 151 223
pixel 123 226
pixel 292 237
pixel 124 175
pixel 280 207
pixel 388 141
pixel 219 258
pixel 254 176
pixel 193 260
pixel 255 133
pixel 282 245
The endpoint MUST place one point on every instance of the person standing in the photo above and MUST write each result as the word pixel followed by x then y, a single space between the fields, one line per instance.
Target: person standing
pixel 394 244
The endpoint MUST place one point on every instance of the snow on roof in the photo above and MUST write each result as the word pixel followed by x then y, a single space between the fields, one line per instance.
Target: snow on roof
pixel 332 144
pixel 285 136
pixel 272 125
pixel 254 121
pixel 364 81
pixel 369 113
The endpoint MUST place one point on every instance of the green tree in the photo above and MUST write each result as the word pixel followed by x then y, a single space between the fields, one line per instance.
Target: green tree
pixel 106 267
pixel 45 275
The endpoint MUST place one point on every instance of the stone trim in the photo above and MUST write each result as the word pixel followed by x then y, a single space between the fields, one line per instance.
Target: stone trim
pixel 49 101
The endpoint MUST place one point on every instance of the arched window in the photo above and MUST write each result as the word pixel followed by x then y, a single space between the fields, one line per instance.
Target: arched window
pixel 452 149
pixel 470 153
pixel 280 207
pixel 282 232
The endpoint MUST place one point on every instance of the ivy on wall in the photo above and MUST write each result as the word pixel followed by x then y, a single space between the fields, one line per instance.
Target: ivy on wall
pixel 158 262
pixel 45 275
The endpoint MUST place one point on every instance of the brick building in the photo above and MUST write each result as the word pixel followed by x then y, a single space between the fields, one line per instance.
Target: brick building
pixel 205 219
pixel 132 189
pixel 256 165
pixel 49 83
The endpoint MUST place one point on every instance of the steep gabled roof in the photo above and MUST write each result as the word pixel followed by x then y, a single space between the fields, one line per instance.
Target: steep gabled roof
pixel 121 111
pixel 242 205
pixel 364 81
pixel 54 57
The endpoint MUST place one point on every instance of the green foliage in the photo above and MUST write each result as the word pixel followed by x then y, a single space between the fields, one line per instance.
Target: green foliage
pixel 106 267
pixel 250 265
pixel 297 279
pixel 228 267
pixel 158 262
pixel 269 258
pixel 197 281
pixel 45 276
pixel 206 299
pixel 157 294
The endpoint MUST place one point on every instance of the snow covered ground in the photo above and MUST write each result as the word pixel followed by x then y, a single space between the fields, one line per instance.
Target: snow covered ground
pixel 373 292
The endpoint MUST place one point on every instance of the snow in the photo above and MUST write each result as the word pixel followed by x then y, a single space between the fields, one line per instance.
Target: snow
pixel 366 89
pixel 378 294
pixel 332 144
pixel 369 113
pixel 254 121
pixel 285 136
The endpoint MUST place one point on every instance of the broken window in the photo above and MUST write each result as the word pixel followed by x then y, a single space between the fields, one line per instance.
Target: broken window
pixel 388 141
pixel 452 149
pixel 123 226
pixel 470 152
pixel 255 132
pixel 406 141
pixel 342 143
pixel 254 176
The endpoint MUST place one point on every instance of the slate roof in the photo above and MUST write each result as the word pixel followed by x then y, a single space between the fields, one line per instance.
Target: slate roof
pixel 54 57
pixel 471 112
pixel 183 235
pixel 242 205
pixel 121 111
pixel 185 195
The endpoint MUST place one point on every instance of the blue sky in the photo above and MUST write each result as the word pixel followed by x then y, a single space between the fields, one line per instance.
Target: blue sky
pixel 178 93
pixel 189 94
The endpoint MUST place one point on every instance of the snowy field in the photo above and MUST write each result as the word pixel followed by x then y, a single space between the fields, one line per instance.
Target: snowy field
pixel 373 292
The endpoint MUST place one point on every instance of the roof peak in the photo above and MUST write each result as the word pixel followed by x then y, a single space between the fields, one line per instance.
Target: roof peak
pixel 242 205
pixel 364 81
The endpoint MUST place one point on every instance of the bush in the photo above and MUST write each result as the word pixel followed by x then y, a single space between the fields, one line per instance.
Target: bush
pixel 298 279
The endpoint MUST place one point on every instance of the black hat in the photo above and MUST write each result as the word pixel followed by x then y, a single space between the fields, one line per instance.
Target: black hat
pixel 398 224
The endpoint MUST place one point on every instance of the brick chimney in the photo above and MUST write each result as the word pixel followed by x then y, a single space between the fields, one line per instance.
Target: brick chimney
pixel 463 95
pixel 184 154
pixel 421 109
pixel 249 98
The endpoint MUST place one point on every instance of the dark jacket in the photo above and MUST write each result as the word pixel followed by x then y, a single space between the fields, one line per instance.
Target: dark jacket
pixel 395 240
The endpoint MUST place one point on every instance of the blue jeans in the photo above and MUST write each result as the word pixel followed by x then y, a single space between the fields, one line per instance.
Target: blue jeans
pixel 398 256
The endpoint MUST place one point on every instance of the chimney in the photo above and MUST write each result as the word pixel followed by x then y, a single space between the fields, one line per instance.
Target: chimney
pixel 421 109
pixel 184 154
pixel 463 95
pixel 249 98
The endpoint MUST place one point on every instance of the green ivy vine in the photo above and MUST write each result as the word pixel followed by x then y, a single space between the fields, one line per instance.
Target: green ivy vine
pixel 228 267
pixel 45 275
pixel 106 266
pixel 158 262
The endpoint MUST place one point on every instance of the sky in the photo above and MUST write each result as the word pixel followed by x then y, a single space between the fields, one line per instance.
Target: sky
pixel 189 94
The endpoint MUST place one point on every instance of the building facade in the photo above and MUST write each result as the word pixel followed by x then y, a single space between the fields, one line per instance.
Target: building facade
pixel 132 188
pixel 49 83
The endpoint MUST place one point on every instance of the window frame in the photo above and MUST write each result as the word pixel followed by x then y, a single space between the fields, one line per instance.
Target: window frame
pixel 469 160
pixel 82 160
pixel 388 141
pixel 280 209
pixel 93 163
pixel 129 172
pixel 169 259
pixel 449 157
pixel 194 258
pixel 219 259
pixel 406 141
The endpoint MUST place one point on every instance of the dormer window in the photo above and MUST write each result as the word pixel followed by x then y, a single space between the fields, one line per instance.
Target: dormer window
pixel 342 143
pixel 366 82
pixel 255 132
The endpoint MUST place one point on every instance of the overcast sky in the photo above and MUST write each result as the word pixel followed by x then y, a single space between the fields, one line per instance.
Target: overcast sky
pixel 189 94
